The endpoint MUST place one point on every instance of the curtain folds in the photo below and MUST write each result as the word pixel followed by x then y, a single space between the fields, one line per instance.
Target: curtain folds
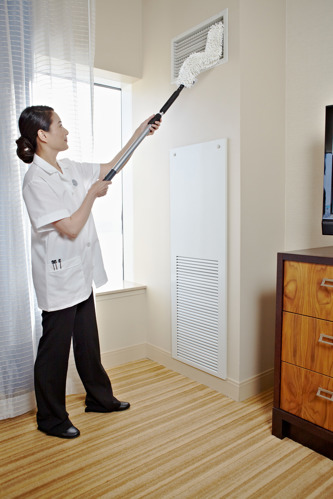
pixel 17 330
pixel 46 57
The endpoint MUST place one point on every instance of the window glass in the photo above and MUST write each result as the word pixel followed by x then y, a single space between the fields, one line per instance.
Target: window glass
pixel 108 210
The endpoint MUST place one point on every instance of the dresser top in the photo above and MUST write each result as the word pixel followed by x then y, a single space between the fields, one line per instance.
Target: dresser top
pixel 315 255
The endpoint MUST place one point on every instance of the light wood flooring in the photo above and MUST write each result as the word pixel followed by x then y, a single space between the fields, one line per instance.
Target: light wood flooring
pixel 179 439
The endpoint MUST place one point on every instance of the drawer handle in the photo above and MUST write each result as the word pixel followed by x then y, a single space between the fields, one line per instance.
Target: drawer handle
pixel 322 393
pixel 328 283
pixel 324 338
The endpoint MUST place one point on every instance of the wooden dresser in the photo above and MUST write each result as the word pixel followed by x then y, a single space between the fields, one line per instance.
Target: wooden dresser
pixel 303 385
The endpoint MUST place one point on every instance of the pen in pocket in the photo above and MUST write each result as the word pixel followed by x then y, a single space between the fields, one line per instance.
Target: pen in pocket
pixel 55 264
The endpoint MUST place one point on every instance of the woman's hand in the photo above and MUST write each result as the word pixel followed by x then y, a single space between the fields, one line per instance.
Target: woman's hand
pixel 100 188
pixel 72 226
pixel 153 127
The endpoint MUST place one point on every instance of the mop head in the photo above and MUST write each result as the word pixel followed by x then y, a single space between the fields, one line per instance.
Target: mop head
pixel 200 61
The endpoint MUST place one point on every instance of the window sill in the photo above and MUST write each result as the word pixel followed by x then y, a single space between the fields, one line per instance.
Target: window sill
pixel 122 288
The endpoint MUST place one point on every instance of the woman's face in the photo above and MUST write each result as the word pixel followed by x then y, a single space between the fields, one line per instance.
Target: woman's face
pixel 57 134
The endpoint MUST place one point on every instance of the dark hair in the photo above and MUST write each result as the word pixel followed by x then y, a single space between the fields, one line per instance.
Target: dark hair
pixel 32 119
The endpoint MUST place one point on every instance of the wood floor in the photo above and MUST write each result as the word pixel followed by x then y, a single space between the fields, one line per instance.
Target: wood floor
pixel 179 439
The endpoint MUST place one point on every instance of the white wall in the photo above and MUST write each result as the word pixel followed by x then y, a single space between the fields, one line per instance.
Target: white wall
pixel 262 149
pixel 118 38
pixel 122 319
pixel 309 87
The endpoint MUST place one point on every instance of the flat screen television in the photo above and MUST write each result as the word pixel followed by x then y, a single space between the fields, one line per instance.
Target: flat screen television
pixel 327 219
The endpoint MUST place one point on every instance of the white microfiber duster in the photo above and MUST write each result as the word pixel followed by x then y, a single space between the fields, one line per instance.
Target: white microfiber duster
pixel 200 61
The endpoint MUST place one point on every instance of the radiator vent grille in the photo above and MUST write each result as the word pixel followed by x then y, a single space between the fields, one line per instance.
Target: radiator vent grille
pixel 194 40
pixel 198 251
pixel 197 311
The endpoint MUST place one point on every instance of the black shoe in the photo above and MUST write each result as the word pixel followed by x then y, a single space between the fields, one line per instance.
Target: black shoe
pixel 123 406
pixel 71 432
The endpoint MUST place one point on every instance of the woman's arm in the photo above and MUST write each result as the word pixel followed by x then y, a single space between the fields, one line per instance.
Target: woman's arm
pixel 106 167
pixel 71 226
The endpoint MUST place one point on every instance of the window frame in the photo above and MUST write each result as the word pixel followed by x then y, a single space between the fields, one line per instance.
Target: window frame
pixel 106 78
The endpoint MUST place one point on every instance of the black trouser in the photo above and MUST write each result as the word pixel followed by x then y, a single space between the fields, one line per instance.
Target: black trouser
pixel 51 364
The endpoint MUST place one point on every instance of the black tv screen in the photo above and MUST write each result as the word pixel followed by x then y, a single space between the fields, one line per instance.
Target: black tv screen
pixel 327 219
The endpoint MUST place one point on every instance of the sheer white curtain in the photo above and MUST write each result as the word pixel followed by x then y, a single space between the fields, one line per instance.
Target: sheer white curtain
pixel 46 57
pixel 17 313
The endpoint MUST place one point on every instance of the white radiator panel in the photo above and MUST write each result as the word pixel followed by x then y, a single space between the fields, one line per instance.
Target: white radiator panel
pixel 198 201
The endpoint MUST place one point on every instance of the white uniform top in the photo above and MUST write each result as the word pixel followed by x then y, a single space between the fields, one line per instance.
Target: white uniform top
pixel 63 269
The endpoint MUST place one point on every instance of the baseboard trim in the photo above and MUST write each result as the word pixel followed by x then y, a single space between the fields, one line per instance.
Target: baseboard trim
pixel 220 385
pixel 238 391
pixel 256 384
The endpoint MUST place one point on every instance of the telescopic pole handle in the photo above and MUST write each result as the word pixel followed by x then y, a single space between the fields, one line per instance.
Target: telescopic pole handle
pixel 155 118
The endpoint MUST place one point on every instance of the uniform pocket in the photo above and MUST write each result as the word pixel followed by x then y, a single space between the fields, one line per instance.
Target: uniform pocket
pixel 65 281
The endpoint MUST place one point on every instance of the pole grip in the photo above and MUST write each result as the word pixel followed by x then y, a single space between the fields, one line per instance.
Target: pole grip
pixel 110 175
pixel 166 106
pixel 155 118
pixel 171 99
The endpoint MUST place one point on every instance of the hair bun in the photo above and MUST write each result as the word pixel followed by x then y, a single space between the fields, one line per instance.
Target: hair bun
pixel 25 150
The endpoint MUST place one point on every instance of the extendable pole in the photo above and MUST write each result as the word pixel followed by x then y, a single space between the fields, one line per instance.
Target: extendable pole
pixel 145 132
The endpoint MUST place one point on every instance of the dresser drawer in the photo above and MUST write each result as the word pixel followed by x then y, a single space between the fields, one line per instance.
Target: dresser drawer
pixel 308 289
pixel 308 343
pixel 307 394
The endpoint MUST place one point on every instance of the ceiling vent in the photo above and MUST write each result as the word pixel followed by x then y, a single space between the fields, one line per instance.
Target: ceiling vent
pixel 194 40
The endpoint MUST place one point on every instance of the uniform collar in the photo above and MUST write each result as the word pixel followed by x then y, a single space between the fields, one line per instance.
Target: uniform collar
pixel 44 165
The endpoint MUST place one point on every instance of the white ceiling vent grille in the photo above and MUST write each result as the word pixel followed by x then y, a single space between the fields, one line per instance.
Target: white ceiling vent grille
pixel 194 40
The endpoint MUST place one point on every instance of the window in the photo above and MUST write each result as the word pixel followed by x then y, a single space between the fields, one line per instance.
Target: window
pixel 108 210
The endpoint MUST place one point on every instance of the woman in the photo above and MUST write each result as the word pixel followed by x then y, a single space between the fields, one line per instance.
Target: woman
pixel 66 259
